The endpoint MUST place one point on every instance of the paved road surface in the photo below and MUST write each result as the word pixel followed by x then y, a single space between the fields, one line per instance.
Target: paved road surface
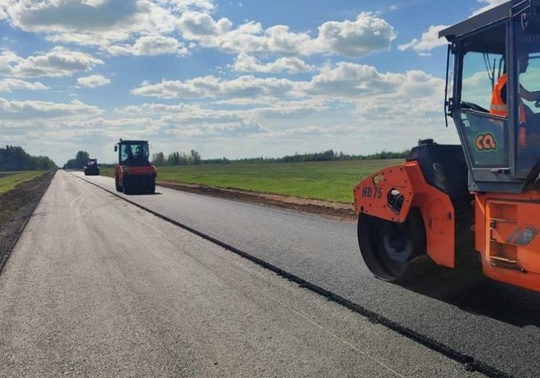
pixel 97 287
pixel 493 325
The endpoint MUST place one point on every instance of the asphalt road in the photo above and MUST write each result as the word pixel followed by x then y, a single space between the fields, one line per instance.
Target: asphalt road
pixel 491 325
pixel 99 287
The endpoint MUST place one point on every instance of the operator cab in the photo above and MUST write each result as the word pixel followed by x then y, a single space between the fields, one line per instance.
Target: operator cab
pixel 501 141
pixel 133 152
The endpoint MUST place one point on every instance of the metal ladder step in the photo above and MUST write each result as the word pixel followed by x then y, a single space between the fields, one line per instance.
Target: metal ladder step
pixel 503 262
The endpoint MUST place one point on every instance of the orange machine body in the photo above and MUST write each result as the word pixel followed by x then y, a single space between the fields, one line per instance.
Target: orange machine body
pixel 134 172
pixel 506 236
pixel 506 226
pixel 371 197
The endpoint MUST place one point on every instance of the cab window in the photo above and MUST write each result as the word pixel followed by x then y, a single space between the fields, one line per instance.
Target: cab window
pixel 485 134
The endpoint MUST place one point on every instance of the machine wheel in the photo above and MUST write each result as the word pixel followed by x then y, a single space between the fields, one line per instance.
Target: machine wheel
pixel 152 187
pixel 118 187
pixel 389 248
pixel 128 187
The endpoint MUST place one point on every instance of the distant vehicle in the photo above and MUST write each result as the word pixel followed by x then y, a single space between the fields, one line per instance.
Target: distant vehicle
pixel 134 173
pixel 91 168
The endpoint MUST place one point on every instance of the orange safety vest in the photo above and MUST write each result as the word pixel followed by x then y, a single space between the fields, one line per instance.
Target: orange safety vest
pixel 499 107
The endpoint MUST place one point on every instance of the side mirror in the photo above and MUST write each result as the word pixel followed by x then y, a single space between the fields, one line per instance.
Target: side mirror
pixel 115 147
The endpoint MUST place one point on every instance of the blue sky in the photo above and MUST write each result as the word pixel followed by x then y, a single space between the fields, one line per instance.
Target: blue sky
pixel 226 78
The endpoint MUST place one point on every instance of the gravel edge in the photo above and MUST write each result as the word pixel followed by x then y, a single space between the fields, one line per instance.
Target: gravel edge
pixel 16 209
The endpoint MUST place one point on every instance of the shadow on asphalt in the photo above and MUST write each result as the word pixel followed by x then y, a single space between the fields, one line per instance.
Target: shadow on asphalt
pixel 143 194
pixel 474 293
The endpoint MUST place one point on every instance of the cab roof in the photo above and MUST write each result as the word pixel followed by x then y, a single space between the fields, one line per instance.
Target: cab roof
pixel 132 141
pixel 481 20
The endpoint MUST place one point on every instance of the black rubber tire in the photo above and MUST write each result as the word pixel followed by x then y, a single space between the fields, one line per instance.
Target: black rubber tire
pixel 389 249
pixel 127 189
pixel 152 187
pixel 119 188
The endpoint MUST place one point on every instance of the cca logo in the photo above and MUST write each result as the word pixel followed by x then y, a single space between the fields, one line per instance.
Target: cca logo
pixel 485 142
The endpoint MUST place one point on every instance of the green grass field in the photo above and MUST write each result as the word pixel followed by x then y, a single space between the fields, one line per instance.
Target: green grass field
pixel 9 180
pixel 332 180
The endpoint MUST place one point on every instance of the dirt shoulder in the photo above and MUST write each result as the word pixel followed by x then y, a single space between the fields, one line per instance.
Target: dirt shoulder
pixel 16 207
pixel 325 208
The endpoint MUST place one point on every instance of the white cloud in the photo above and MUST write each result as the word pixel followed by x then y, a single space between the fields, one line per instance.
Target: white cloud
pixel 348 78
pixel 101 23
pixel 489 4
pixel 113 25
pixel 361 37
pixel 182 112
pixel 8 59
pixel 26 110
pixel 148 46
pixel 10 85
pixel 57 16
pixel 292 65
pixel 361 86
pixel 93 81
pixel 202 27
pixel 187 120
pixel 3 14
pixel 209 131
pixel 429 40
pixel 57 62
pixel 155 45
pixel 213 87
pixel 93 3
pixel 367 88
pixel 182 5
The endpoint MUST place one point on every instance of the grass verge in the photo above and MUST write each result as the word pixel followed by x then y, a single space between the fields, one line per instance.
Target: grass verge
pixel 9 180
pixel 330 181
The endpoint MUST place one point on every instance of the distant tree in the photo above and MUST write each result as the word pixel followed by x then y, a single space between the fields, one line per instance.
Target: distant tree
pixel 388 155
pixel 82 157
pixel 195 157
pixel 158 159
pixel 222 160
pixel 184 159
pixel 14 158
pixel 79 162
pixel 71 164
pixel 173 158
pixel 178 158
pixel 43 163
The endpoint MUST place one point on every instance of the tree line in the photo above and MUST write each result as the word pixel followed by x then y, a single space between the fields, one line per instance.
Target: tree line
pixel 194 158
pixel 331 155
pixel 13 158
pixel 79 162
pixel 328 155
pixel 176 158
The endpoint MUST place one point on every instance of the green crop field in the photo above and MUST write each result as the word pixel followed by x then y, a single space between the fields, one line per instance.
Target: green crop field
pixel 331 180
pixel 9 180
